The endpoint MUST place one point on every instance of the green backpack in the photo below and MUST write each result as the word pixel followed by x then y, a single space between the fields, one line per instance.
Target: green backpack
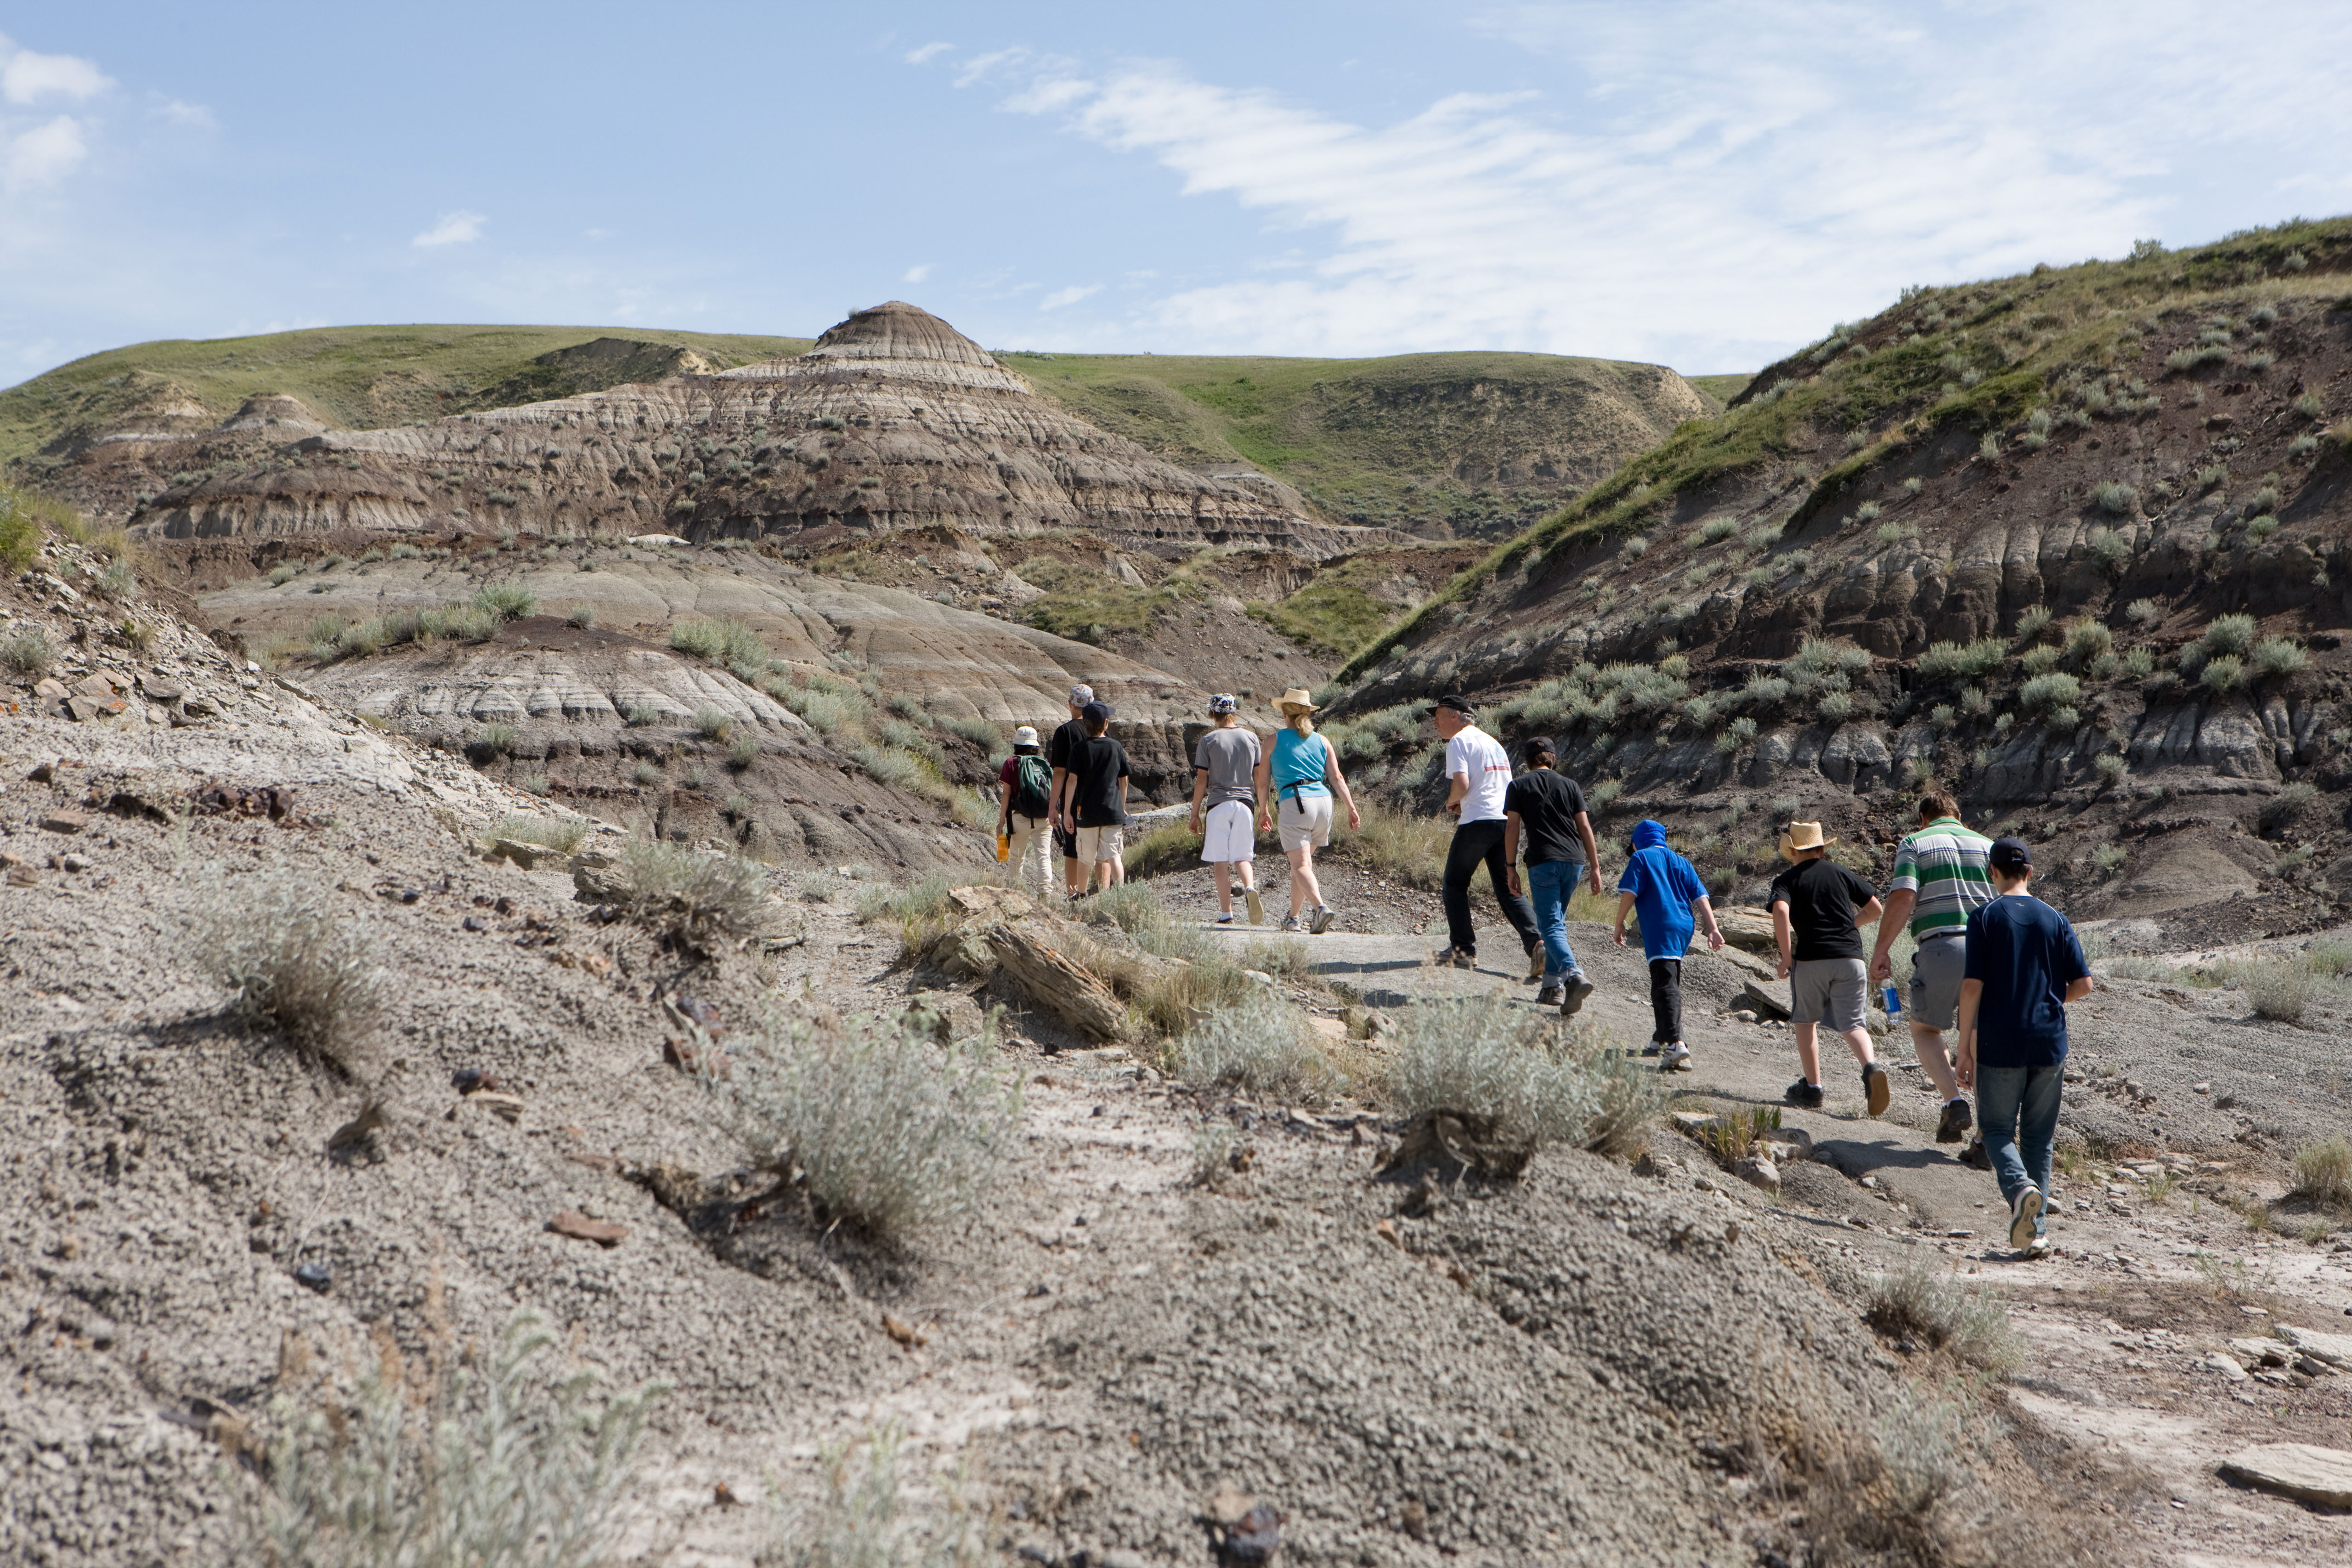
pixel 1033 787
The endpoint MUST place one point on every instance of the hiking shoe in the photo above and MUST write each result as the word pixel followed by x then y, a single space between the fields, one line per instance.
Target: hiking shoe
pixel 1536 963
pixel 1876 1087
pixel 1954 1124
pixel 1455 958
pixel 1578 989
pixel 1290 923
pixel 1257 906
pixel 1550 996
pixel 1226 918
pixel 1974 1154
pixel 1803 1093
pixel 2023 1214
pixel 1677 1058
pixel 1319 919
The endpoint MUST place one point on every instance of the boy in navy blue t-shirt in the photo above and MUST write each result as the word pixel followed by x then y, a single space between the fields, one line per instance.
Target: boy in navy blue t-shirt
pixel 2024 965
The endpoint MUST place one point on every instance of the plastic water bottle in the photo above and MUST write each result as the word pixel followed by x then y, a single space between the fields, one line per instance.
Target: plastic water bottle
pixel 1892 995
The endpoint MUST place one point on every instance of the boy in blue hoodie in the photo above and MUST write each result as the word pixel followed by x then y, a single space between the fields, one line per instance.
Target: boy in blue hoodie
pixel 1663 887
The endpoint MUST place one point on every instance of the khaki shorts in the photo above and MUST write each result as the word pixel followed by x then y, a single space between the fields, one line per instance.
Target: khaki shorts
pixel 1304 819
pixel 1829 990
pixel 1935 975
pixel 1097 845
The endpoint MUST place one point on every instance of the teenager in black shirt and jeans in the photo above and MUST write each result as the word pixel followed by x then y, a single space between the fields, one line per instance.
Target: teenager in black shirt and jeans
pixel 1544 810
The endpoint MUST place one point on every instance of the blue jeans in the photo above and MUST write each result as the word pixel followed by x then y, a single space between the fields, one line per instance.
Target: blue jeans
pixel 1551 885
pixel 2019 1106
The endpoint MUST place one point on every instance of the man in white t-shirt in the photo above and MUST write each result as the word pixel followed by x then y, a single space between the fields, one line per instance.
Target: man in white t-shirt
pixel 1478 772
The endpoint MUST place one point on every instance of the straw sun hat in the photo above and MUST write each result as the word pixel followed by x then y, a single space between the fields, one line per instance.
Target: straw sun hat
pixel 1802 837
pixel 1296 697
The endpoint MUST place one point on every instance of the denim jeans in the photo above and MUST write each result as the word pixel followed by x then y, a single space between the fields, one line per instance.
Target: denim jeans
pixel 1551 885
pixel 1474 842
pixel 2018 1109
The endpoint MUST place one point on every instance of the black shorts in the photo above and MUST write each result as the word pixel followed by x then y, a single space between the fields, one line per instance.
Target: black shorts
pixel 1067 842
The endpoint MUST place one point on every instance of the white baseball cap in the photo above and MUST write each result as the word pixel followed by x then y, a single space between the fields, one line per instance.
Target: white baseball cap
pixel 1081 695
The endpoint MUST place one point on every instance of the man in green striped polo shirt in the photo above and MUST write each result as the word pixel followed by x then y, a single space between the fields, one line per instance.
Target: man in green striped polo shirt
pixel 1941 873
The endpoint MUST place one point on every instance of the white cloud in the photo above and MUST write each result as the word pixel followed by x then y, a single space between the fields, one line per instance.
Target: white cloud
pixel 28 78
pixel 927 53
pixel 915 274
pixel 1069 296
pixel 42 155
pixel 1709 185
pixel 195 116
pixel 453 228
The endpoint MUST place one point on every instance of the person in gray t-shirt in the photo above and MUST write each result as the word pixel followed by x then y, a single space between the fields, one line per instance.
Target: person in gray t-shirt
pixel 1225 806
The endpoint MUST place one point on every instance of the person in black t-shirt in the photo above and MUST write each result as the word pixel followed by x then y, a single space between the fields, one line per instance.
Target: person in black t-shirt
pixel 1097 796
pixel 1818 909
pixel 1544 810
pixel 1057 752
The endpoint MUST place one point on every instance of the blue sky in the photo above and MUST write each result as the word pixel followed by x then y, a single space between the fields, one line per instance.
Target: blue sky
pixel 1704 186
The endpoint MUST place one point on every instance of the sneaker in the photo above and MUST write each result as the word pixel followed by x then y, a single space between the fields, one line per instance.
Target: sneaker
pixel 1803 1093
pixel 1677 1058
pixel 1290 923
pixel 2038 1246
pixel 1954 1124
pixel 1226 918
pixel 1319 919
pixel 2023 1214
pixel 1974 1154
pixel 1535 962
pixel 1876 1087
pixel 1455 958
pixel 1550 996
pixel 1257 906
pixel 1578 988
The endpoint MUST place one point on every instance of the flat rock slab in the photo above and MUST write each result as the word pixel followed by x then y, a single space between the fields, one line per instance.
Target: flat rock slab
pixel 2300 1470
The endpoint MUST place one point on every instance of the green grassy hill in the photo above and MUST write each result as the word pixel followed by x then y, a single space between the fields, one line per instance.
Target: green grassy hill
pixel 358 377
pixel 1479 443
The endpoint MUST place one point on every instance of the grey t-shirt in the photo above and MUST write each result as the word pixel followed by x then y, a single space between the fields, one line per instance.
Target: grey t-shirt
pixel 1231 757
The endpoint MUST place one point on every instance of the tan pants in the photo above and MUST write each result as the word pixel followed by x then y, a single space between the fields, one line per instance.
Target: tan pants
pixel 1032 840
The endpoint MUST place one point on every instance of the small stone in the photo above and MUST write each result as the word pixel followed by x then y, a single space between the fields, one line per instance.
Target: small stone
pixel 1759 1172
pixel 73 862
pixel 1742 1016
pixel 2226 1366
pixel 580 1227
pixel 475 922
pixel 65 821
pixel 313 1277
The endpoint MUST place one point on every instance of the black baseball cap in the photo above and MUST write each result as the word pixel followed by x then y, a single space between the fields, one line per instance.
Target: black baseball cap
pixel 1460 704
pixel 1096 712
pixel 2011 855
pixel 1535 744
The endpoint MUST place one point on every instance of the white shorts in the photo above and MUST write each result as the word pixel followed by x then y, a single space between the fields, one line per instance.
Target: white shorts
pixel 1231 833
pixel 1304 819
pixel 1097 844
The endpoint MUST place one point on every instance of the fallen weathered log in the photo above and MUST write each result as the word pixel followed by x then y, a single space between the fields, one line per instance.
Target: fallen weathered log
pixel 1056 985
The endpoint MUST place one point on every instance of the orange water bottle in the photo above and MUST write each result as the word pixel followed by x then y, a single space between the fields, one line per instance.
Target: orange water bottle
pixel 1003 848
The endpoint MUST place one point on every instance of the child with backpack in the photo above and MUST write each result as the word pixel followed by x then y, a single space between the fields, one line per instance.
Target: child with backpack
pixel 1668 894
pixel 1028 803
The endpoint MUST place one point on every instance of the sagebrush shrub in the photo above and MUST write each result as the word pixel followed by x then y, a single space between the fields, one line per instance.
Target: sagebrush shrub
pixel 508 601
pixel 890 1129
pixel 426 1465
pixel 1483 1056
pixel 563 835
pixel 1922 1302
pixel 27 654
pixel 299 963
pixel 2279 657
pixel 1260 1043
pixel 2323 1172
pixel 700 896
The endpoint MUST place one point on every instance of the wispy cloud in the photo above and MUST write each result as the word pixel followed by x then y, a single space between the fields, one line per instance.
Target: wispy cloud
pixel 43 156
pixel 927 53
pixel 1714 183
pixel 915 274
pixel 28 78
pixel 452 228
pixel 195 116
pixel 1069 296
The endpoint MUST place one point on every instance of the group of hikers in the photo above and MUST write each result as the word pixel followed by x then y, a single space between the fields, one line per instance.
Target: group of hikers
pixel 1994 966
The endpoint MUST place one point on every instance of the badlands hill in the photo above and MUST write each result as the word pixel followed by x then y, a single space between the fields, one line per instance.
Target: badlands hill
pixel 2077 542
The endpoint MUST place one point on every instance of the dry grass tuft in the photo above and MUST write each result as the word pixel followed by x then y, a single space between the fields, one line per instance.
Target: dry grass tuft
pixel 1408 849
pixel 1924 1303
pixel 563 835
pixel 299 965
pixel 2322 1173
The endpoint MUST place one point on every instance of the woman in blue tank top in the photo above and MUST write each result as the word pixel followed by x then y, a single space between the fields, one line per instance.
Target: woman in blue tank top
pixel 1298 775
